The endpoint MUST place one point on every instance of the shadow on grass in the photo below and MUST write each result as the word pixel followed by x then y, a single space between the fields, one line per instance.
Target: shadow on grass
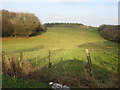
pixel 27 50
pixel 73 74
pixel 103 45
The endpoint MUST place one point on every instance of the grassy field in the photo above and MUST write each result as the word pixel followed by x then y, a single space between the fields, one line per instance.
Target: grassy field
pixel 55 38
pixel 68 57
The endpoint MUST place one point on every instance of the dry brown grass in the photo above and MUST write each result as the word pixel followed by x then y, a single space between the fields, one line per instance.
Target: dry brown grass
pixel 10 67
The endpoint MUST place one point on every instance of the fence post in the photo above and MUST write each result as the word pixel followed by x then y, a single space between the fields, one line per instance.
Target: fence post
pixel 3 63
pixel 89 63
pixel 21 58
pixel 49 60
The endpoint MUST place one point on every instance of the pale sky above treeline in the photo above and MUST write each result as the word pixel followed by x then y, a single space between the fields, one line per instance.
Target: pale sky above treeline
pixel 88 12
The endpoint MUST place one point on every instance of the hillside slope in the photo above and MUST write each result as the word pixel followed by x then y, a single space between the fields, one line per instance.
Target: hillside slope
pixel 66 38
pixel 68 57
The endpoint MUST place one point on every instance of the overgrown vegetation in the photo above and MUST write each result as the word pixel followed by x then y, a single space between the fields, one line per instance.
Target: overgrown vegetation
pixel 110 32
pixel 16 74
pixel 20 24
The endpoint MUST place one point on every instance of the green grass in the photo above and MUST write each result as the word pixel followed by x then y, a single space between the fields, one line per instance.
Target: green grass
pixel 54 38
pixel 67 45
pixel 12 82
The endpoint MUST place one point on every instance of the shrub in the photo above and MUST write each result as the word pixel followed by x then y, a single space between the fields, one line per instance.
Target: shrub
pixel 7 27
pixel 20 24
pixel 110 32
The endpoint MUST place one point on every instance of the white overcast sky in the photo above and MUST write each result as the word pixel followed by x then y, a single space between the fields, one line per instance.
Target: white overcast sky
pixel 60 0
pixel 88 12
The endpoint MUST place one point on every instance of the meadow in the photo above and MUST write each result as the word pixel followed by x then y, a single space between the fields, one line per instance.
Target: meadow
pixel 67 50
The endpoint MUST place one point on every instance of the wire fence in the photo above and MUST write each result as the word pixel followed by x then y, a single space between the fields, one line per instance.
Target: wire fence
pixel 43 57
pixel 63 65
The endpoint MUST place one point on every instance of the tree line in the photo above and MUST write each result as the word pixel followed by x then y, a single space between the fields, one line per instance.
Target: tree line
pixel 110 32
pixel 62 24
pixel 20 24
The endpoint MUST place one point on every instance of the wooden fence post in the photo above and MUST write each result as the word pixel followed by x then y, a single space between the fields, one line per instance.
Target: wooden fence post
pixel 89 63
pixel 49 60
pixel 21 58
